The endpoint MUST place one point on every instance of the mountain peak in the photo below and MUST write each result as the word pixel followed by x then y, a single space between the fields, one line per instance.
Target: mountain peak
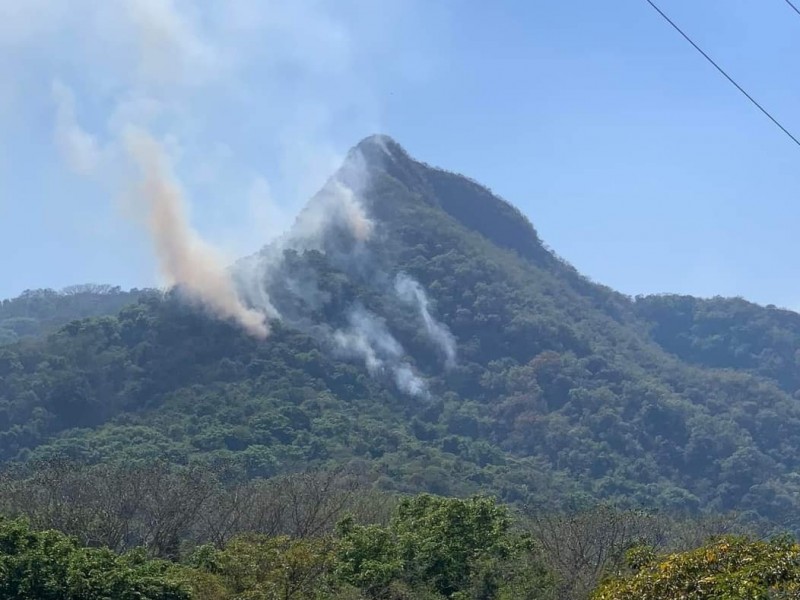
pixel 378 150
pixel 471 204
pixel 379 141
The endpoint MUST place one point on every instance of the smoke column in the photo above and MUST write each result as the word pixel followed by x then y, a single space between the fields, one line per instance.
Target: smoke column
pixel 369 339
pixel 184 258
pixel 411 292
pixel 79 148
pixel 360 225
pixel 335 204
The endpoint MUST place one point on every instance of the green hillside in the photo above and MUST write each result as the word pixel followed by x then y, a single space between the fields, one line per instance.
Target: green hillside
pixel 38 312
pixel 728 333
pixel 560 389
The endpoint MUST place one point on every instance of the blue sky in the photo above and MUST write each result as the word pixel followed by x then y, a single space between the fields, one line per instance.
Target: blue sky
pixel 634 159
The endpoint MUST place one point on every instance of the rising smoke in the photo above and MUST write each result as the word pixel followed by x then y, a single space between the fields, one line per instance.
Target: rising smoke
pixel 184 258
pixel 79 148
pixel 367 338
pixel 335 212
pixel 335 230
pixel 336 205
pixel 173 58
pixel 411 292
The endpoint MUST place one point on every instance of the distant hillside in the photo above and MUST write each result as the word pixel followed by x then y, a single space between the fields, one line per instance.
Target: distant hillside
pixel 728 333
pixel 560 390
pixel 37 312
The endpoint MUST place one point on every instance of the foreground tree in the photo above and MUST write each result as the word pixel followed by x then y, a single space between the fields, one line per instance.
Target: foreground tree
pixel 258 567
pixel 581 547
pixel 49 565
pixel 731 568
pixel 438 547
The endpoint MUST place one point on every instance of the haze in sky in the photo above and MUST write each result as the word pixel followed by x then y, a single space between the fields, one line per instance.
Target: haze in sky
pixel 633 158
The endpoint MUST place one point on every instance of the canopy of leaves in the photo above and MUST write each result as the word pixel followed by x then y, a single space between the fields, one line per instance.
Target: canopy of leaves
pixel 728 333
pixel 51 566
pixel 278 543
pixel 731 568
pixel 437 542
pixel 38 312
pixel 433 548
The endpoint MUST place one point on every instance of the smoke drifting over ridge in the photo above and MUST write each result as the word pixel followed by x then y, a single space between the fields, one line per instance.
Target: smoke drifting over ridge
pixel 334 239
pixel 368 338
pixel 165 69
pixel 336 204
pixel 184 258
pixel 410 291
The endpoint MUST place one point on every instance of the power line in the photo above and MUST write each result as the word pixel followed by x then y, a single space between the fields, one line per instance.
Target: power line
pixel 797 10
pixel 721 70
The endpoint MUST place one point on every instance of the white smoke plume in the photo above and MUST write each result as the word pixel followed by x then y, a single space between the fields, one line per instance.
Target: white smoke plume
pixel 336 203
pixel 411 292
pixel 407 381
pixel 353 213
pixel 78 147
pixel 368 338
pixel 185 259
pixel 169 46
pixel 165 82
pixel 337 207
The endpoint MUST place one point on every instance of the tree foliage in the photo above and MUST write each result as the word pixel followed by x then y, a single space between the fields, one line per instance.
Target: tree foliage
pixel 48 565
pixel 37 312
pixel 730 568
pixel 431 548
pixel 439 542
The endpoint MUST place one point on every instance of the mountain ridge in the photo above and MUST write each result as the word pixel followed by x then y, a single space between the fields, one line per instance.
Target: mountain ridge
pixel 402 166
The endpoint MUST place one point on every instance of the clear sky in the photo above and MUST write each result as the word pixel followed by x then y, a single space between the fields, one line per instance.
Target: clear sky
pixel 633 158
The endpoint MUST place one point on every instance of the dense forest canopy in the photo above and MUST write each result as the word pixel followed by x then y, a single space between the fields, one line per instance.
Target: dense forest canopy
pixel 155 532
pixel 37 312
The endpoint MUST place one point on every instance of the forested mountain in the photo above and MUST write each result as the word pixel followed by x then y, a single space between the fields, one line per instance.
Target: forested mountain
pixel 555 389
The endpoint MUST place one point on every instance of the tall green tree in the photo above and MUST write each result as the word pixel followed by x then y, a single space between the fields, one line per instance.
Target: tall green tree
pixel 445 547
pixel 48 565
